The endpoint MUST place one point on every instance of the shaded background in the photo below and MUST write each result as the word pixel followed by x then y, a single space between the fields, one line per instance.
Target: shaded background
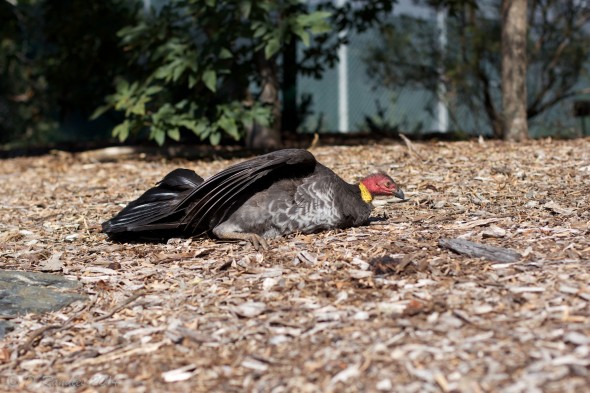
pixel 406 71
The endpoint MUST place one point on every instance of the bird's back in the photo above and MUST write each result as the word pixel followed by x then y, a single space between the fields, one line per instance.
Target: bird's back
pixel 317 201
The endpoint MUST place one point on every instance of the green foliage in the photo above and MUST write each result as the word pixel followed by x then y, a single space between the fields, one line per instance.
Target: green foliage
pixel 191 66
pixel 200 66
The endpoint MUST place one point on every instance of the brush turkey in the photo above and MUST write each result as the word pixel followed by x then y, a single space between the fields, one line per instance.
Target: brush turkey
pixel 275 194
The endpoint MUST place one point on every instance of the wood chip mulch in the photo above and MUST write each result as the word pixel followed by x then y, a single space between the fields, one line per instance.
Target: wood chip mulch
pixel 377 308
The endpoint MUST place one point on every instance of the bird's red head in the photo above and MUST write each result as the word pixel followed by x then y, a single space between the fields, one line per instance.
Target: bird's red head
pixel 382 184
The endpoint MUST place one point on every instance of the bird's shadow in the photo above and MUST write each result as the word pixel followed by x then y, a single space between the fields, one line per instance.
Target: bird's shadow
pixel 377 219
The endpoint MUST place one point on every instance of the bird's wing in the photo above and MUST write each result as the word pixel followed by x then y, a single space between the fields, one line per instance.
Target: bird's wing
pixel 151 209
pixel 218 195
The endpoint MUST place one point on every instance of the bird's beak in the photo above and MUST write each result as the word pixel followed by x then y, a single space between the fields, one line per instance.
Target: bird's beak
pixel 399 193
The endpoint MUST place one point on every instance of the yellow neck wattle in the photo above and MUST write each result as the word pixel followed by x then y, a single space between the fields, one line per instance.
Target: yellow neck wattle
pixel 365 194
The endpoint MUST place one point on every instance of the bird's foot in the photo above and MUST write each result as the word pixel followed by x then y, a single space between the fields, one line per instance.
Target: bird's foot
pixel 257 241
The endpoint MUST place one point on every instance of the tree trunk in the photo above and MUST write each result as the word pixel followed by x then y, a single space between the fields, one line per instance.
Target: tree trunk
pixel 289 118
pixel 267 137
pixel 514 65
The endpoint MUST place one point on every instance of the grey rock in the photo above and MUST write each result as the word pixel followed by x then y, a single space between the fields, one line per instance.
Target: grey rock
pixel 28 292
pixel 5 327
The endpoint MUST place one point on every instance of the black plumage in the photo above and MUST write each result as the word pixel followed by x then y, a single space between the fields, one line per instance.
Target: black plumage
pixel 271 195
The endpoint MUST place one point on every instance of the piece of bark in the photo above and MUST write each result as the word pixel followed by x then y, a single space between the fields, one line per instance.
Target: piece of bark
pixel 53 263
pixel 472 249
pixel 411 147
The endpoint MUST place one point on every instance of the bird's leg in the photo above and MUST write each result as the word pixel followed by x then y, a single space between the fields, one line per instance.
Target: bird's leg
pixel 257 241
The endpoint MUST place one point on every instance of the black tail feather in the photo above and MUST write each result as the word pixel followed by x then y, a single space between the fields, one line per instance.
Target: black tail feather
pixel 156 211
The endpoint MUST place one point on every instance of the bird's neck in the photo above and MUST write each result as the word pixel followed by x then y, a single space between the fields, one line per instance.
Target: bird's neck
pixel 365 193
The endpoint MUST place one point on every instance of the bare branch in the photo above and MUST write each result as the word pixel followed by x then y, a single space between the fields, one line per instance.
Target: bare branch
pixel 532 112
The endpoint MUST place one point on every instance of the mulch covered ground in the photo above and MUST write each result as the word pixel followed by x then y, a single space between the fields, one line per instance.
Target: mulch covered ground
pixel 376 308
